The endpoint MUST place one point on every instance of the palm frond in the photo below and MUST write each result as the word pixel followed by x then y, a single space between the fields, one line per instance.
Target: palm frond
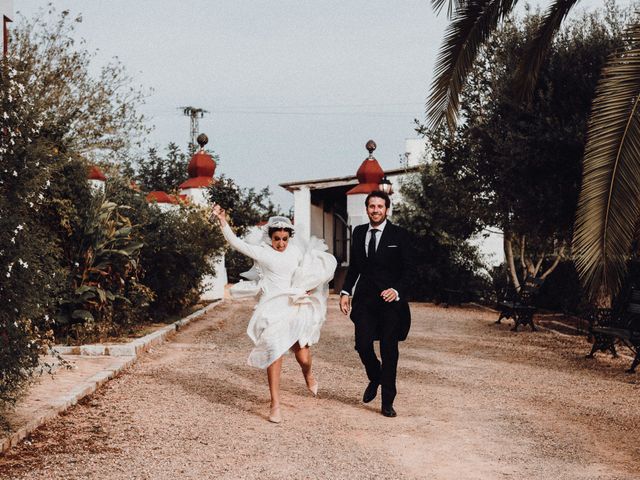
pixel 474 22
pixel 536 50
pixel 452 6
pixel 609 201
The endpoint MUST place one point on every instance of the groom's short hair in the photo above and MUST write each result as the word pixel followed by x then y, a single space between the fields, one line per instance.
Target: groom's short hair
pixel 378 194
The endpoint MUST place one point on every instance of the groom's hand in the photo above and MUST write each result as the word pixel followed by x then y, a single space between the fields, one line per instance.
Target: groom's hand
pixel 389 295
pixel 345 304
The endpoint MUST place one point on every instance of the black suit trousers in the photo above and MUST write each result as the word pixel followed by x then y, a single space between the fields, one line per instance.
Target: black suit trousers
pixel 375 319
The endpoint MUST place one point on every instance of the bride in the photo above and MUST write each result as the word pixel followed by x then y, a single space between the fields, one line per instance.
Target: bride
pixel 293 285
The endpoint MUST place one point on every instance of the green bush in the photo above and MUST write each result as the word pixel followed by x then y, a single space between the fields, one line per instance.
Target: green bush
pixel 30 273
pixel 104 270
pixel 179 249
pixel 53 113
pixel 440 218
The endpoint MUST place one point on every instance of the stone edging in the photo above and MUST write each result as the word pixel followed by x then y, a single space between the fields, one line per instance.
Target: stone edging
pixel 135 347
pixel 81 390
pixel 129 353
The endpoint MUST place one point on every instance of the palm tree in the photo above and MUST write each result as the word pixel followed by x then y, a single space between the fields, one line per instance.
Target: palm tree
pixel 609 206
pixel 609 203
pixel 473 22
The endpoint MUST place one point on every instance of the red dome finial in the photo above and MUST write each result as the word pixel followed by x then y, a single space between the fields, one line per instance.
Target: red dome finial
pixel 369 174
pixel 201 167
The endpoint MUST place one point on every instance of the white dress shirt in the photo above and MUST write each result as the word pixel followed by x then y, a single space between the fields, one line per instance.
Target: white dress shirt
pixel 367 237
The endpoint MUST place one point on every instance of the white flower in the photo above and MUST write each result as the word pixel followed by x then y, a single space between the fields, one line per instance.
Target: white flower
pixel 15 174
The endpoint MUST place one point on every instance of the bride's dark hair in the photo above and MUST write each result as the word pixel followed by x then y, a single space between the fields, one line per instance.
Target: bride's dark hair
pixel 273 230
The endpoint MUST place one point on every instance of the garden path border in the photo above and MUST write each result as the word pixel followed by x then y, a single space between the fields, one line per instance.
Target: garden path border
pixel 101 363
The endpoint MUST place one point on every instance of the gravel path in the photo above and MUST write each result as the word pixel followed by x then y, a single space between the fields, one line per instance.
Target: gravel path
pixel 475 401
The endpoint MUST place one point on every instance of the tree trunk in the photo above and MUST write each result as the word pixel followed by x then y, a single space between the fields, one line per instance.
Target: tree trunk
pixel 508 254
pixel 603 299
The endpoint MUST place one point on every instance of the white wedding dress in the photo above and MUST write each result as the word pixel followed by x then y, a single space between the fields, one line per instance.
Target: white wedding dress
pixel 285 313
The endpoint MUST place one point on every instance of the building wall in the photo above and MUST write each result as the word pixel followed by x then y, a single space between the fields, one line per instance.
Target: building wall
pixel 302 212
pixel 328 230
pixel 356 209
pixel 197 195
pixel 317 221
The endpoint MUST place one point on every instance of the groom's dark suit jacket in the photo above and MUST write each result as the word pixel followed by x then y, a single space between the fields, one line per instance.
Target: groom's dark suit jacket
pixel 389 268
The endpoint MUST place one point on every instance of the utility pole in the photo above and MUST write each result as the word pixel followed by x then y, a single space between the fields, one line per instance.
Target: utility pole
pixel 194 114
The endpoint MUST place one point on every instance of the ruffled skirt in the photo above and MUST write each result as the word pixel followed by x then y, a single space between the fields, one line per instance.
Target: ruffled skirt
pixel 282 319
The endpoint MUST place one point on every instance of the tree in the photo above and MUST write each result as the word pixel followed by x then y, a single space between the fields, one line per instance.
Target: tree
pixel 606 220
pixel 472 24
pixel 608 210
pixel 154 172
pixel 440 216
pixel 96 117
pixel 522 162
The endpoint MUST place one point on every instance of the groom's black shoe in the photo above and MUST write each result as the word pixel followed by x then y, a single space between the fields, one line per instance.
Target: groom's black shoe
pixel 388 411
pixel 370 392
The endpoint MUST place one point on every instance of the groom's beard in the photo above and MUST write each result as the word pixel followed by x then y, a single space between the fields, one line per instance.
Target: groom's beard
pixel 376 223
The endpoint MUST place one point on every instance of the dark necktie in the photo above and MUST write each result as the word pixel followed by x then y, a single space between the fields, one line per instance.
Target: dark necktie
pixel 371 249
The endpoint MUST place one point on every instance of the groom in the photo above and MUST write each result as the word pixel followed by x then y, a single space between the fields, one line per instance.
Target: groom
pixel 380 264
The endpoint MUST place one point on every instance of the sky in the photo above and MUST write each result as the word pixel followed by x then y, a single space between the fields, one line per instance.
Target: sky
pixel 294 88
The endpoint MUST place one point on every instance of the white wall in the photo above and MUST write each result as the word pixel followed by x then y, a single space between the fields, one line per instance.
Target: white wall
pixel 213 286
pixel 356 210
pixel 96 185
pixel 317 219
pixel 328 230
pixel 198 196
pixel 302 212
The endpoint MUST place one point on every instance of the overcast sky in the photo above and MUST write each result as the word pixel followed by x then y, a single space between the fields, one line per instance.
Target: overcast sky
pixel 294 88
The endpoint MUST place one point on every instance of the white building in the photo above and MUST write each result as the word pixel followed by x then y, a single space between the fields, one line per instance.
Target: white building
pixel 329 208
pixel 6 13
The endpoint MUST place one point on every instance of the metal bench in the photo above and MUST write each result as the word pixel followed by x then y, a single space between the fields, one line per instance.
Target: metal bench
pixel 453 297
pixel 607 329
pixel 520 305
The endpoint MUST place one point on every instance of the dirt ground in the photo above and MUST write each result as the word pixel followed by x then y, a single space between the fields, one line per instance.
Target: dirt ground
pixel 475 401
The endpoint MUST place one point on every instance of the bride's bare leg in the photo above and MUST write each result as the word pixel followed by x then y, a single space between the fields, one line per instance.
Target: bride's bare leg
pixel 303 356
pixel 273 374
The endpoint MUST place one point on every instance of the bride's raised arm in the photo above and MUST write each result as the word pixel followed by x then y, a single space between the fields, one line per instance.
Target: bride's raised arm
pixel 251 251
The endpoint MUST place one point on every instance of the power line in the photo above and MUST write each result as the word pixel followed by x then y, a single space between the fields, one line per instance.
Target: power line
pixel 310 106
